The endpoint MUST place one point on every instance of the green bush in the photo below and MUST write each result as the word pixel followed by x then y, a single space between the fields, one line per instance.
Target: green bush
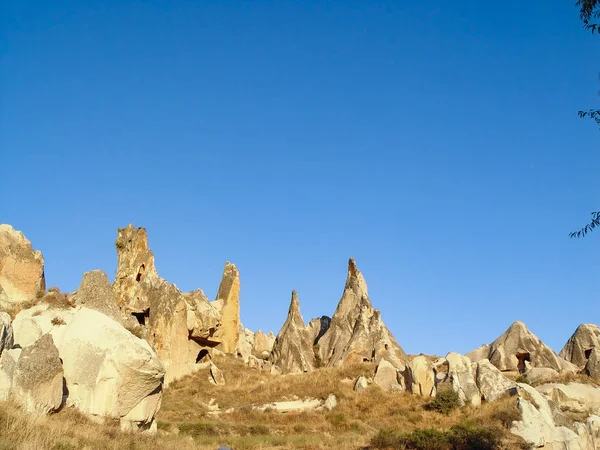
pixel 465 436
pixel 444 402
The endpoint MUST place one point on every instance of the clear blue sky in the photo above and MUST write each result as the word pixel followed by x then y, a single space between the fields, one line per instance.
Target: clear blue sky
pixel 436 142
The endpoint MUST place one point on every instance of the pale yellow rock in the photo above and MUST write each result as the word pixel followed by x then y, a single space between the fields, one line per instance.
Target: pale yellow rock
pixel 386 376
pixel 461 374
pixel 229 296
pixel 21 268
pixel 356 332
pixel 422 377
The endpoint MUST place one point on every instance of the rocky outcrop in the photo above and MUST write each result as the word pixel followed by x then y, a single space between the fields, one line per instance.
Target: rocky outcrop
pixel 293 347
pixel 215 375
pixel 109 373
pixel 544 426
pixel 228 303
pixel 8 362
pixel 360 384
pixel 421 377
pixel 592 367
pixel 573 397
pixel 517 349
pixel 579 347
pixel 37 377
pixel 356 332
pixel 491 383
pixel 387 376
pixel 6 332
pixel 95 292
pixel 262 344
pixel 182 328
pixel 21 268
pixel 461 375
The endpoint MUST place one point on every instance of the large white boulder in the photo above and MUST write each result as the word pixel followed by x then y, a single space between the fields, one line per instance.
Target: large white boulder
pixel 109 372
pixel 490 381
pixel 461 374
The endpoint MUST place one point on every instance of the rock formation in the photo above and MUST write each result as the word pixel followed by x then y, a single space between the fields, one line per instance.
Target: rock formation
pixel 109 372
pixel 581 344
pixel 461 374
pixel 490 381
pixel 421 377
pixel 37 377
pixel 95 292
pixel 21 268
pixel 293 347
pixel 517 348
pixel 262 344
pixel 6 332
pixel 387 376
pixel 356 332
pixel 592 367
pixel 228 303
pixel 181 328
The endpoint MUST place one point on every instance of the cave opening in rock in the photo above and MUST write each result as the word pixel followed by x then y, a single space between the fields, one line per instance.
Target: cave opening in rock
pixel 587 353
pixel 141 316
pixel 521 358
pixel 201 355
pixel 140 273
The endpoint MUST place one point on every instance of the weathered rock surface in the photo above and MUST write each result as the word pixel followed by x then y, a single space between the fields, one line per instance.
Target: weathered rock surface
pixel 8 362
pixel 490 381
pixel 538 426
pixel 228 297
pixel 215 375
pixel 30 324
pixel 573 397
pixel 293 347
pixel 318 327
pixel 387 377
pixel 37 381
pixel 95 292
pixel 361 384
pixel 579 347
pixel 6 332
pixel 21 268
pixel 518 346
pixel 181 328
pixel 109 372
pixel 262 344
pixel 461 374
pixel 541 374
pixel 356 332
pixel 592 367
pixel 421 377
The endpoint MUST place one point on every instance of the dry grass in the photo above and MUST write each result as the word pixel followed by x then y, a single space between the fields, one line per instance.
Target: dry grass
pixel 351 425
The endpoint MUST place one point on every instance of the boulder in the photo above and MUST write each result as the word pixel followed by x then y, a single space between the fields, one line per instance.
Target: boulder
pixel 386 376
pixel 30 324
pixel 21 269
pixel 538 427
pixel 245 343
pixel 462 376
pixel 215 375
pixel 293 349
pixel 37 381
pixel 592 367
pixel 95 292
pixel 330 402
pixel 262 344
pixel 8 362
pixel 516 348
pixel 490 381
pixel 573 397
pixel 360 384
pixel 356 332
pixel 109 373
pixel 6 332
pixel 579 346
pixel 421 377
pixel 541 374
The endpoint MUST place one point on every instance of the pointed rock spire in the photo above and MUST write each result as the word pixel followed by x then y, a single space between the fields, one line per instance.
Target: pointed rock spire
pixel 229 298
pixel 356 332
pixel 293 348
pixel 579 347
pixel 517 349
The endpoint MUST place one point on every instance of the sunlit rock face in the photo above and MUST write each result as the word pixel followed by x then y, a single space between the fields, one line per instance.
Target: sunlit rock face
pixel 21 268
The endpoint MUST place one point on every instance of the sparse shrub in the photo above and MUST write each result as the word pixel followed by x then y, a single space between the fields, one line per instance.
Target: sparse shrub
pixel 318 360
pixel 444 402
pixel 39 294
pixel 55 299
pixel 338 420
pixel 507 414
pixel 299 428
pixel 58 321
pixel 469 435
pixel 258 429
pixel 196 429
pixel 414 418
pixel 54 289
pixel 465 436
